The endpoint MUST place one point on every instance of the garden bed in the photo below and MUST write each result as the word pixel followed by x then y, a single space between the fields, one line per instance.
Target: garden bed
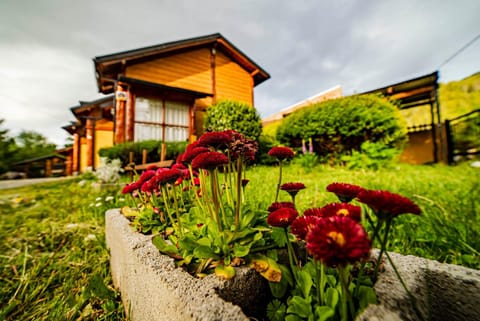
pixel 153 288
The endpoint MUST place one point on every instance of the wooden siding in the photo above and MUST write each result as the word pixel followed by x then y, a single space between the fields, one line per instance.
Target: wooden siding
pixel 233 82
pixel 189 70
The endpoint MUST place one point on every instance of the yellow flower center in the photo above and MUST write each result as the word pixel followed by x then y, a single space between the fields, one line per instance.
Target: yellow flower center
pixel 337 238
pixel 343 211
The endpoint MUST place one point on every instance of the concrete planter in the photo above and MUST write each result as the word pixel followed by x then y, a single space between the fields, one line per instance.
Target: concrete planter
pixel 153 288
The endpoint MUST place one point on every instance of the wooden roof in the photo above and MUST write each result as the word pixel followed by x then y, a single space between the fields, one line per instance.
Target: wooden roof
pixel 85 106
pixel 411 93
pixel 108 67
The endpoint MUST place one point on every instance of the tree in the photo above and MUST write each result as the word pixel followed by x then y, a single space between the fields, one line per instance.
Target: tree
pixel 235 115
pixel 7 148
pixel 31 144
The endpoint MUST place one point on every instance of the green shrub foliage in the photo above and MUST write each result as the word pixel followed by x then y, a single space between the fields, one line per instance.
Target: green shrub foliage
pixel 239 116
pixel 153 147
pixel 340 126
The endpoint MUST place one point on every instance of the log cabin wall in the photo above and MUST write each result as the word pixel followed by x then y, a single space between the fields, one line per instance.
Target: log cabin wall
pixel 232 81
pixel 189 70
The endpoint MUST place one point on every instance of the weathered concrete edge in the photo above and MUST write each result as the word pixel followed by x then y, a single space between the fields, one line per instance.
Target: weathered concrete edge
pixel 442 291
pixel 152 288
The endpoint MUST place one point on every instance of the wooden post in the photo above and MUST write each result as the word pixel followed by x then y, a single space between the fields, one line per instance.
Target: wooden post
pixel 120 102
pixel 130 157
pixel 90 138
pixel 163 152
pixel 48 168
pixel 144 156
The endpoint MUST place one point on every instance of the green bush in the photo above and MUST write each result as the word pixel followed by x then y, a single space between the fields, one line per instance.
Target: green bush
pixel 153 147
pixel 340 126
pixel 239 116
pixel 371 156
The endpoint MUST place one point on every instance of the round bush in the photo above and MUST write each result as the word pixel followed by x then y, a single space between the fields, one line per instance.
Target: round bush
pixel 340 126
pixel 235 115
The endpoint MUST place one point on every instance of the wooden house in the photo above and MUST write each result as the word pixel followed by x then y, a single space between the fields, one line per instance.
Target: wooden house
pixel 92 130
pixel 162 92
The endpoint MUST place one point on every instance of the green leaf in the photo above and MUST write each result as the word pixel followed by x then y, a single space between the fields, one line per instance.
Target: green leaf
pixel 241 250
pixel 299 306
pixel 204 241
pixel 278 235
pixel 164 247
pixel 226 272
pixel 276 310
pixel 188 244
pixel 332 297
pixel 366 296
pixel 205 252
pixel 293 317
pixel 323 313
pixel 304 282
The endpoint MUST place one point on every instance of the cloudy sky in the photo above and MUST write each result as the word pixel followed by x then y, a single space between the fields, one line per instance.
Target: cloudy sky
pixel 47 46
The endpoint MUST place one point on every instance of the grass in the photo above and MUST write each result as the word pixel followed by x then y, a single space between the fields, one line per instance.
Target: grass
pixel 54 261
pixel 449 197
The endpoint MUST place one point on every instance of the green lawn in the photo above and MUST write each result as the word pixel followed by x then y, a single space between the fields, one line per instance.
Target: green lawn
pixel 54 262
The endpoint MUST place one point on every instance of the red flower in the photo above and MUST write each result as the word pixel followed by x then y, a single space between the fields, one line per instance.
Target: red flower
pixel 168 176
pixel 338 240
pixel 387 205
pixel 302 225
pixel 191 153
pixel 281 153
pixel 277 205
pixel 292 188
pixel 146 176
pixel 129 188
pixel 345 192
pixel 342 209
pixel 317 211
pixel 282 217
pixel 209 160
pixel 215 139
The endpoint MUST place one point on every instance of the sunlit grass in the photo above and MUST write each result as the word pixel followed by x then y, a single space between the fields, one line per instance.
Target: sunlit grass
pixel 54 261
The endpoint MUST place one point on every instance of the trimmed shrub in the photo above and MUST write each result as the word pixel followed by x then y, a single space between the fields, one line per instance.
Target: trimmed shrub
pixel 153 147
pixel 239 116
pixel 340 126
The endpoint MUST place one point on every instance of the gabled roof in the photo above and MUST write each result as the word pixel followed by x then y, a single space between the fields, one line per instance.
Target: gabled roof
pixel 107 67
pixel 104 102
pixel 411 93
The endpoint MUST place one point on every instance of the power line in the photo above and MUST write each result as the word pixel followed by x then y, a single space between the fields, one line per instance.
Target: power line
pixel 460 50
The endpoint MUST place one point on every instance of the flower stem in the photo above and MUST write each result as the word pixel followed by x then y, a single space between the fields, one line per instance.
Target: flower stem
pixel 167 208
pixel 347 308
pixel 216 202
pixel 320 271
pixel 383 248
pixel 279 181
pixel 291 255
pixel 239 192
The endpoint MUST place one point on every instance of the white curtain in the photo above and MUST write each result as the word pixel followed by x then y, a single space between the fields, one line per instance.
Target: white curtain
pixel 151 110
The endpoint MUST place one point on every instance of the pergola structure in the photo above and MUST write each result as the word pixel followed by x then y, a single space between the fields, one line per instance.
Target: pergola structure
pixel 417 92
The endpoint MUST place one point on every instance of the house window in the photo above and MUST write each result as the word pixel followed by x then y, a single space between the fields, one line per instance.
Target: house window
pixel 159 119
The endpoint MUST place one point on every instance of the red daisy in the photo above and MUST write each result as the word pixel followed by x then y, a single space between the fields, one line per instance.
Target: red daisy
pixel 191 153
pixel 387 205
pixel 130 188
pixel 292 188
pixel 345 192
pixel 168 177
pixel 209 160
pixel 338 240
pixel 342 209
pixel 281 153
pixel 317 211
pixel 302 225
pixel 215 139
pixel 277 205
pixel 282 217
pixel 146 176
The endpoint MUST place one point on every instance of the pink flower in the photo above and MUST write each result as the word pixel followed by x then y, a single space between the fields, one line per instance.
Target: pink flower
pixel 342 209
pixel 215 139
pixel 277 205
pixel 302 225
pixel 292 188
